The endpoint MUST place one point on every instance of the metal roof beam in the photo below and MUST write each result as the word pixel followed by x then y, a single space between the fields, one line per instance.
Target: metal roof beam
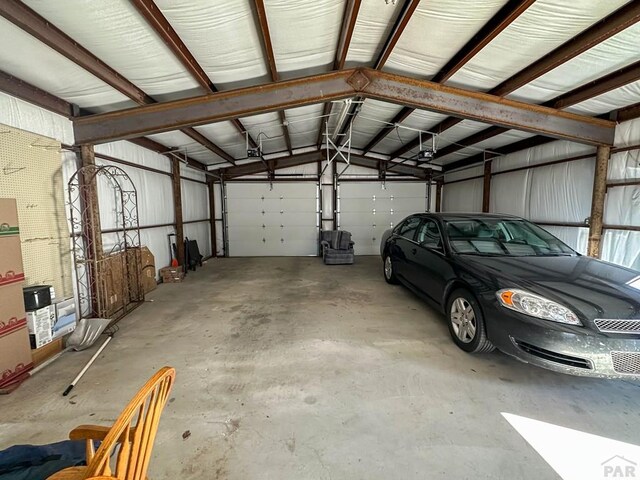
pixel 32 94
pixel 617 79
pixel 35 25
pixel 501 20
pixel 338 85
pixel 351 9
pixel 156 20
pixel 398 28
pixel 614 23
pixel 312 157
pixel 505 150
pixel 271 61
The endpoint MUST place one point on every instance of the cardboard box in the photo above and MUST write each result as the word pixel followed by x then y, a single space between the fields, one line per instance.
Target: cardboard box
pixel 41 354
pixel 15 355
pixel 65 318
pixel 8 217
pixel 11 270
pixel 148 266
pixel 11 308
pixel 39 324
pixel 171 274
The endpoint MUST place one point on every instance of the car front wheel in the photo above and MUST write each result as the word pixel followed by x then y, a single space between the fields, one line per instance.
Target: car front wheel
pixel 388 270
pixel 466 323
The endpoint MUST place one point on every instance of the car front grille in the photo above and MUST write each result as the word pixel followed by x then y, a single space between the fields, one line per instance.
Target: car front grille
pixel 626 362
pixel 553 356
pixel 618 326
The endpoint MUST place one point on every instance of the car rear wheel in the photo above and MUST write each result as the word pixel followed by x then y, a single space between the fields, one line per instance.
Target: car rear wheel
pixel 466 323
pixel 388 270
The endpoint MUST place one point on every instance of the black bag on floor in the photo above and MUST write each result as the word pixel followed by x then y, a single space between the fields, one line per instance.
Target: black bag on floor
pixel 192 254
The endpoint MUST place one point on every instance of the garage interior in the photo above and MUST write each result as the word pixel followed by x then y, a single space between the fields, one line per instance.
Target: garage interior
pixel 250 127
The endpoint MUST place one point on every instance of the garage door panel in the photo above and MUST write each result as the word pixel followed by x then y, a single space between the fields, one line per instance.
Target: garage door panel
pixel 272 222
pixel 367 210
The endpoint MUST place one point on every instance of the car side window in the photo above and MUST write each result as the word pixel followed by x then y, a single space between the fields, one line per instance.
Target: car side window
pixel 408 228
pixel 429 235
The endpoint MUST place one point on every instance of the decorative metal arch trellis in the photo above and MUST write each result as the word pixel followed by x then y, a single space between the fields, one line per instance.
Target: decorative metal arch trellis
pixel 109 284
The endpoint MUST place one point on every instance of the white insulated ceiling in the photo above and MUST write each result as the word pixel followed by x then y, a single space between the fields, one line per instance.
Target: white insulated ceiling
pixel 225 39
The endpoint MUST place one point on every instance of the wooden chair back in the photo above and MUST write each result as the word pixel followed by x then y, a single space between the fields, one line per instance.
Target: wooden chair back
pixel 125 451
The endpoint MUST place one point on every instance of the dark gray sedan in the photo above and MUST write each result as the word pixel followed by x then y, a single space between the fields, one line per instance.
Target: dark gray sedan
pixel 507 283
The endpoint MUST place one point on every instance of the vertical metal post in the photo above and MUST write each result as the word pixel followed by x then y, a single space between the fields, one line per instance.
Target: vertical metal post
pixel 212 217
pixel 439 184
pixel 428 209
pixel 225 225
pixel 486 186
pixel 603 154
pixel 335 196
pixel 91 228
pixel 177 206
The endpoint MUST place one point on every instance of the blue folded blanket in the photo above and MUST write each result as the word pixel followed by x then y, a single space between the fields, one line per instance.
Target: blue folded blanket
pixel 37 462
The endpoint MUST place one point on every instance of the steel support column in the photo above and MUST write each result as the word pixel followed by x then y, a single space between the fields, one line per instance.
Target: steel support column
pixel 212 217
pixel 597 202
pixel 439 184
pixel 92 231
pixel 486 186
pixel 177 206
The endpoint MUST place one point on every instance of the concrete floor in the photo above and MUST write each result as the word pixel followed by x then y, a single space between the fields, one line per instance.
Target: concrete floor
pixel 288 369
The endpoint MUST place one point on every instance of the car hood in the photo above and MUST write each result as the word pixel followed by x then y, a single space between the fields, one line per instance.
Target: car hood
pixel 596 289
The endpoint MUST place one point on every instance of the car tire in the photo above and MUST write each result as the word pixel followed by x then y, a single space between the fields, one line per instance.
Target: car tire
pixel 388 271
pixel 466 322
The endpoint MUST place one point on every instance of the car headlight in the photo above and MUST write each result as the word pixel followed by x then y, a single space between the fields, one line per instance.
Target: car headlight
pixel 536 306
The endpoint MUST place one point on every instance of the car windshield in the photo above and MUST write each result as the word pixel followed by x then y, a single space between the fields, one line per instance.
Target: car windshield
pixel 502 237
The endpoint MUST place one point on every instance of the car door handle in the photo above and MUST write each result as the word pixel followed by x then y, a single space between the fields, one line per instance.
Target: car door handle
pixel 414 250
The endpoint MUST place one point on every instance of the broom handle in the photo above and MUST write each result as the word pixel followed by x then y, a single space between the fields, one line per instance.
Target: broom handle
pixel 86 367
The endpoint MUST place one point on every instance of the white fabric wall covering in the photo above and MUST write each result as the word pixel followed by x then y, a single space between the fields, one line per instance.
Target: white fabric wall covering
pixel 420 119
pixel 25 116
pixel 373 27
pixel 118 35
pixel 310 169
pixel 462 196
pixel 222 36
pixel 473 171
pixel 562 193
pixel 621 247
pixel 157 240
pixel 195 201
pixel 266 126
pixel 191 172
pixel 155 197
pixel 575 237
pixel 304 123
pixel 622 205
pixel 557 193
pixel 442 26
pixel 626 165
pixel 606 57
pixel 541 154
pixel 52 72
pixel 510 193
pixel 318 23
pixel 133 153
pixel 544 26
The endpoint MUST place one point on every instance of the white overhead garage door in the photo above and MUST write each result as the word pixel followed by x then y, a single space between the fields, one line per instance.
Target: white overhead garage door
pixel 264 222
pixel 367 210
